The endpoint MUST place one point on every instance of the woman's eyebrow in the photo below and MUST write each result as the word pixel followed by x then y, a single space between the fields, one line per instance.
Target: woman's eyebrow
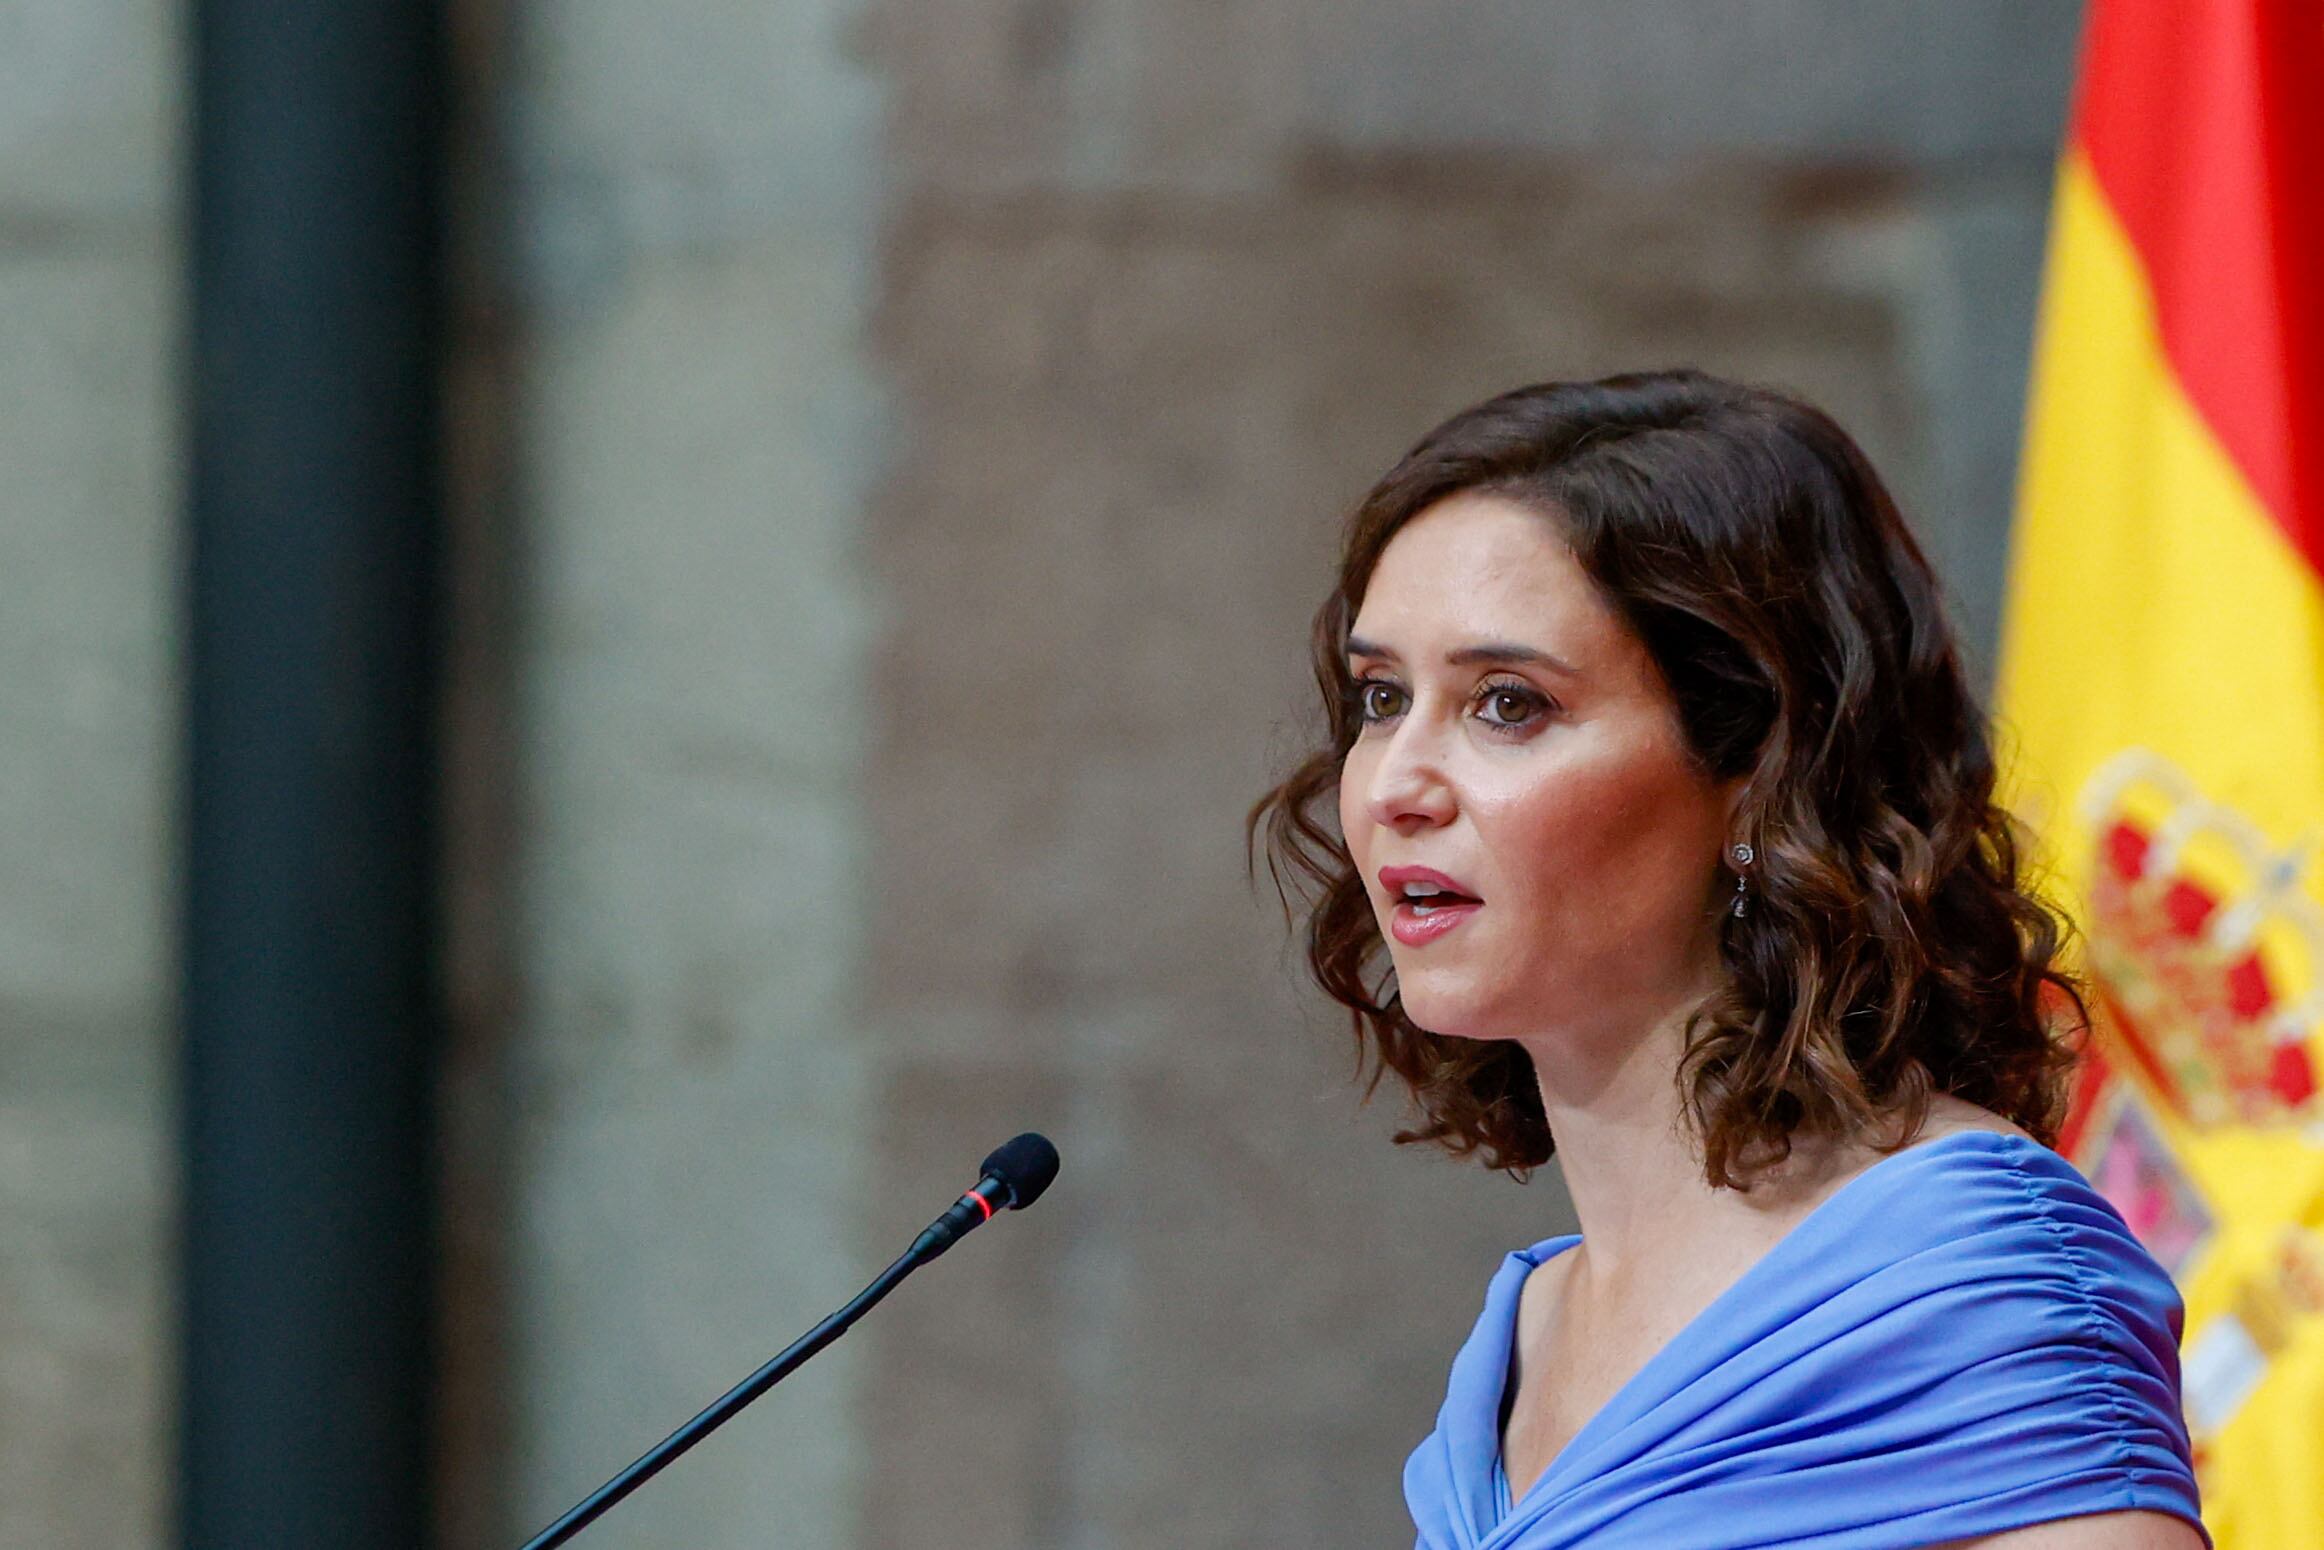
pixel 1492 651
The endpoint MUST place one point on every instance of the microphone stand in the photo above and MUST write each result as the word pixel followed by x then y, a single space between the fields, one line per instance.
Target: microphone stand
pixel 651 1463
pixel 1014 1176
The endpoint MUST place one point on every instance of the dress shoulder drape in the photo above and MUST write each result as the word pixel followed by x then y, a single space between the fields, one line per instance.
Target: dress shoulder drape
pixel 1962 1339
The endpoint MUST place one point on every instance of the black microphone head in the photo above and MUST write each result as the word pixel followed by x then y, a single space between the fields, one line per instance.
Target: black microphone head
pixel 1027 1165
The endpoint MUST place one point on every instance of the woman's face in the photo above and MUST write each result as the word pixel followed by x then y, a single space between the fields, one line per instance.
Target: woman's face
pixel 1520 751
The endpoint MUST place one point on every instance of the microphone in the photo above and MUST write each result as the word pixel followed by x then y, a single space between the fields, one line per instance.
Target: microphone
pixel 1013 1175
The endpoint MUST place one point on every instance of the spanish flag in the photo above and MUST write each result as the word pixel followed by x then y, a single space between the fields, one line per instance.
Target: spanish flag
pixel 2161 694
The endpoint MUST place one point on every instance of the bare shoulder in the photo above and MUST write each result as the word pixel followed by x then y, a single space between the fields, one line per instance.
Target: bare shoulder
pixel 1819 1170
pixel 1537 1297
pixel 2096 1531
pixel 1949 1115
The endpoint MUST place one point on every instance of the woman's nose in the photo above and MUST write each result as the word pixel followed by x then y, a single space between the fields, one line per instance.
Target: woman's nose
pixel 1408 788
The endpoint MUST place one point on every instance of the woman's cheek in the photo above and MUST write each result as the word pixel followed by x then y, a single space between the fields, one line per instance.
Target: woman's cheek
pixel 1351 826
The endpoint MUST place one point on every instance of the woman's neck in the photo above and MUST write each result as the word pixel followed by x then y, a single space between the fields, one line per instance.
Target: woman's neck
pixel 1632 1164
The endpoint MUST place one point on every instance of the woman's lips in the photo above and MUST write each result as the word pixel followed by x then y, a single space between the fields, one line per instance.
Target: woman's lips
pixel 1444 903
pixel 1415 928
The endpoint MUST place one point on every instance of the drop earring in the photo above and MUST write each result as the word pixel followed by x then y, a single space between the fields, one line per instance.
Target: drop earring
pixel 1742 856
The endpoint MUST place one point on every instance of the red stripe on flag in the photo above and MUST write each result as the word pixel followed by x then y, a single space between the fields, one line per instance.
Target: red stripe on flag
pixel 2203 122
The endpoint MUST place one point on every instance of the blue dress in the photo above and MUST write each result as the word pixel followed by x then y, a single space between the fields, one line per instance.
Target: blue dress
pixel 1964 1338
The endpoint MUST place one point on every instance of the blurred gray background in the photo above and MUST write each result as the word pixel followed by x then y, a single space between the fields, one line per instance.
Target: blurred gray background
pixel 896 448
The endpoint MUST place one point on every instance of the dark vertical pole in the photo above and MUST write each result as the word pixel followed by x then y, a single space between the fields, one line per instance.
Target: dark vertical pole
pixel 310 1003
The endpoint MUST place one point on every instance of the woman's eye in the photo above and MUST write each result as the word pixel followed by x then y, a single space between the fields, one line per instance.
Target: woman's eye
pixel 1378 699
pixel 1506 706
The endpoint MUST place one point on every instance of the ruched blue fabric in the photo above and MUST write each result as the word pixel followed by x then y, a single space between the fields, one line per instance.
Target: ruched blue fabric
pixel 1962 1339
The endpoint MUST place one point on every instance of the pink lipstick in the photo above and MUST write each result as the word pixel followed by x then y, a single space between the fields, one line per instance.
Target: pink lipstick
pixel 1427 903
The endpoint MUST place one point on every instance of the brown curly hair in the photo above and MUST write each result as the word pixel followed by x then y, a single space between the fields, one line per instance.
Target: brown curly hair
pixel 1893 950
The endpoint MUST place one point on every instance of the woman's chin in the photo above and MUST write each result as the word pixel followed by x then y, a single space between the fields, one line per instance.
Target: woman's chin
pixel 1449 1011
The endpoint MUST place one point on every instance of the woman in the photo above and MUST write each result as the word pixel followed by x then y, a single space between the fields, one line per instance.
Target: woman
pixel 1664 839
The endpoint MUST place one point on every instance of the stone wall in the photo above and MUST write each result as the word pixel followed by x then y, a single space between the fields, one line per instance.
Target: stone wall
pixel 89 323
pixel 681 227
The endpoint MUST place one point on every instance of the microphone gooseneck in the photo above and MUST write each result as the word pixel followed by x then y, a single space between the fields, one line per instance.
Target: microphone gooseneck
pixel 1013 1177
